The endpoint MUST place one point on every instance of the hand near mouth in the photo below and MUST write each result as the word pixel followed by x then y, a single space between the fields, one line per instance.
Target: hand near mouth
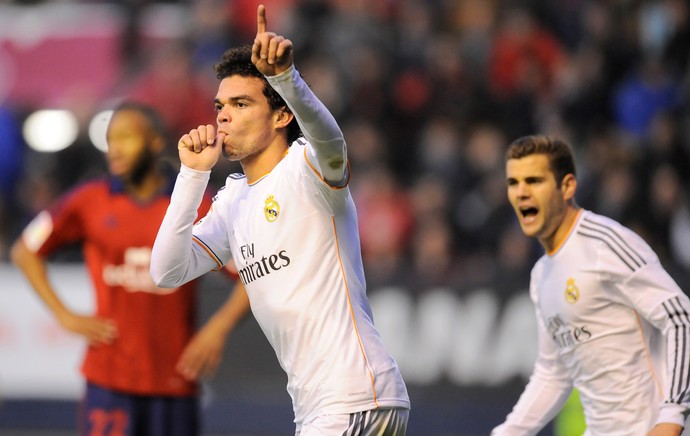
pixel 201 148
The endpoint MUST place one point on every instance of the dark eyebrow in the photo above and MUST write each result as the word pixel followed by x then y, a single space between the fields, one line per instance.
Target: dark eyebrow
pixel 234 99
pixel 528 179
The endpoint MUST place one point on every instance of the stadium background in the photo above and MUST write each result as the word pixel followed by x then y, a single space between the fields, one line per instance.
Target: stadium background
pixel 428 92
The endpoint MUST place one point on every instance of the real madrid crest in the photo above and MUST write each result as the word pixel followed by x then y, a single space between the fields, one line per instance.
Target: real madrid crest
pixel 572 294
pixel 271 209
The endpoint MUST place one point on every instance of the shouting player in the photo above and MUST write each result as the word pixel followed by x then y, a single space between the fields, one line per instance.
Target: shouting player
pixel 612 322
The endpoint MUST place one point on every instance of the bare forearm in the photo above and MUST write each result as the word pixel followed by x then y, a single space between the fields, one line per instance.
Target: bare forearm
pixel 34 269
pixel 232 311
pixel 96 330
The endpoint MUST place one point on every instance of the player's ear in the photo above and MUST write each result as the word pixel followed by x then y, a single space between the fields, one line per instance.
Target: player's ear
pixel 569 186
pixel 283 117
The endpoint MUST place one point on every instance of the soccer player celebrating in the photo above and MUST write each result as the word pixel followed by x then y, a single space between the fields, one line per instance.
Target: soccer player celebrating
pixel 142 360
pixel 289 223
pixel 612 322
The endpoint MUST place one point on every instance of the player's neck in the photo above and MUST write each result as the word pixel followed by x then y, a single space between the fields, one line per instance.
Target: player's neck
pixel 552 244
pixel 258 165
pixel 146 187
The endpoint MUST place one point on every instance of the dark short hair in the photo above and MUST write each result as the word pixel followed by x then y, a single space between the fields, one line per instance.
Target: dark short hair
pixel 153 117
pixel 558 152
pixel 238 62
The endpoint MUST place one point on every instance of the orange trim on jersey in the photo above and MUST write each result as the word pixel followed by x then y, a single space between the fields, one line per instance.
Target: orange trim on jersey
pixel 352 314
pixel 269 172
pixel 347 179
pixel 211 255
pixel 649 355
pixel 567 235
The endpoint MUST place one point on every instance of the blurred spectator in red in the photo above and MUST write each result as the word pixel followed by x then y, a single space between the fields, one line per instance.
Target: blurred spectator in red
pixel 385 224
pixel 245 13
pixel 523 65
pixel 172 85
pixel 525 57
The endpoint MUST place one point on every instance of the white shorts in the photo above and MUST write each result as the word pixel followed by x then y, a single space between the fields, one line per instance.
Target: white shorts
pixel 378 422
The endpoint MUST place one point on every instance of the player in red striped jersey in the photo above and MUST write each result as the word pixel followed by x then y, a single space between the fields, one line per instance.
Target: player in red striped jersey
pixel 141 364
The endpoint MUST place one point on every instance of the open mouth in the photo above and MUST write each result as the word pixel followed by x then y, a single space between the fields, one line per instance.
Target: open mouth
pixel 529 212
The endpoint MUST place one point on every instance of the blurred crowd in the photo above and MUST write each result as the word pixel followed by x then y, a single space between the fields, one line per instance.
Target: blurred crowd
pixel 429 93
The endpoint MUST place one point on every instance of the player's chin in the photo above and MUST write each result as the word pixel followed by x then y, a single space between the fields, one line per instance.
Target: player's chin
pixel 530 230
pixel 117 170
pixel 231 155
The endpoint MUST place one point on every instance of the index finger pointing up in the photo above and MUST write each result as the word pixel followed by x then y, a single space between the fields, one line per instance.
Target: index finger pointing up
pixel 261 19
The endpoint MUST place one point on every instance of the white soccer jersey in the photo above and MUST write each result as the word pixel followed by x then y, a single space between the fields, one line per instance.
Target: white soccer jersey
pixel 613 324
pixel 295 242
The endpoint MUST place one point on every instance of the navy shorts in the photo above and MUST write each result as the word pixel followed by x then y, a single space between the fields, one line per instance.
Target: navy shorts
pixel 105 412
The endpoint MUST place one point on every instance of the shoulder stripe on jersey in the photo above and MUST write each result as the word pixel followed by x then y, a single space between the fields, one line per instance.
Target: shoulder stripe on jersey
pixel 615 242
pixel 621 241
pixel 208 250
pixel 632 268
pixel 236 176
pixel 680 382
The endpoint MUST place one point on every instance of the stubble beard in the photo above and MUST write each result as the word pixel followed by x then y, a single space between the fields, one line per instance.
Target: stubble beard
pixel 229 155
pixel 239 152
pixel 232 152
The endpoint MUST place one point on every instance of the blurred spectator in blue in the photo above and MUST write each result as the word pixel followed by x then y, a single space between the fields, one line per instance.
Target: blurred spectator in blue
pixel 11 146
pixel 213 29
pixel 11 150
pixel 645 92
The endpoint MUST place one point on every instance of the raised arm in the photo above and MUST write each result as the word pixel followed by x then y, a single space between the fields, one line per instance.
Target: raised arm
pixel 271 53
pixel 273 56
